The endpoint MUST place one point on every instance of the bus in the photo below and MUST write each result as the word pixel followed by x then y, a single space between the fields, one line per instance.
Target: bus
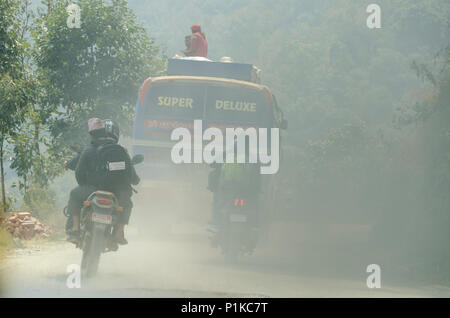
pixel 220 94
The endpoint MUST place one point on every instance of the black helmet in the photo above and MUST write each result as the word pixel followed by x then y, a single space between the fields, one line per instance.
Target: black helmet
pixel 112 129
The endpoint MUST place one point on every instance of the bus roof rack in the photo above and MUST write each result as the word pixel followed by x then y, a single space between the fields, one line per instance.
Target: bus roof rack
pixel 208 68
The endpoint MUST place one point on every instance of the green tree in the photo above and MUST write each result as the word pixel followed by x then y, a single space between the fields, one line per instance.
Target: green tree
pixel 15 90
pixel 95 70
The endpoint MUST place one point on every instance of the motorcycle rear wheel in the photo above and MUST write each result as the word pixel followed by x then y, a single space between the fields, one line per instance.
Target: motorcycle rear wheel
pixel 91 253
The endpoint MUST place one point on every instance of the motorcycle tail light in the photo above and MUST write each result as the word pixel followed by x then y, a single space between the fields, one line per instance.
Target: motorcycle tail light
pixel 119 208
pixel 236 202
pixel 242 202
pixel 86 203
pixel 104 202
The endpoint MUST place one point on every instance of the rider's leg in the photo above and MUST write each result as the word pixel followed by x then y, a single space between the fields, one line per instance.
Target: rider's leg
pixel 256 211
pixel 126 203
pixel 213 225
pixel 76 199
pixel 76 222
pixel 69 223
pixel 119 234
pixel 215 209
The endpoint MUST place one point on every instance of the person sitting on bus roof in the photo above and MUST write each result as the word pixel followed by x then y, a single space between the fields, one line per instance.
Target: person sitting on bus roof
pixel 199 44
pixel 187 42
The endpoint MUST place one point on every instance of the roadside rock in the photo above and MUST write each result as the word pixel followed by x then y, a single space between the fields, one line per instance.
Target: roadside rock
pixel 23 225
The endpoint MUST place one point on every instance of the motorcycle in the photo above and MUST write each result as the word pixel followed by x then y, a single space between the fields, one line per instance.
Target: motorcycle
pixel 237 234
pixel 98 219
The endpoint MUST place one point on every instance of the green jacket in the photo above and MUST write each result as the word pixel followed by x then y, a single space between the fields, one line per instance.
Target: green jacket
pixel 240 178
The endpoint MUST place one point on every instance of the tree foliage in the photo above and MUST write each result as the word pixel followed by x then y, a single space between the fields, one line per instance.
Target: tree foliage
pixel 16 91
pixel 54 78
pixel 95 70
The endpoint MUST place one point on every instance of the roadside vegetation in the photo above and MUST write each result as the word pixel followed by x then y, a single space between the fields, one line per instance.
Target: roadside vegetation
pixel 53 78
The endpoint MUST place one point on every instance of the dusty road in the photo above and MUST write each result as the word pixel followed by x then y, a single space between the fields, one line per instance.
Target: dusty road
pixel 184 265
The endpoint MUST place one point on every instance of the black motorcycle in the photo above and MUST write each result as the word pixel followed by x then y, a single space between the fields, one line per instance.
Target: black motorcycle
pixel 98 219
pixel 237 234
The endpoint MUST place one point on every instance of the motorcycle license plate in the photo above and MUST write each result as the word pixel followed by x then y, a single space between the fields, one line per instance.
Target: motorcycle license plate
pixel 101 218
pixel 238 218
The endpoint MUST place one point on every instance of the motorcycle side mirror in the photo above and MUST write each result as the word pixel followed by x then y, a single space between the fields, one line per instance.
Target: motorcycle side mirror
pixel 137 159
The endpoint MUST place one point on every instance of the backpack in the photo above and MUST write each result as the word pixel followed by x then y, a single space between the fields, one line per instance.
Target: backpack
pixel 113 166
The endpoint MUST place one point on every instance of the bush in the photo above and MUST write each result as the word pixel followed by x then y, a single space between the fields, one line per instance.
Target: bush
pixel 41 202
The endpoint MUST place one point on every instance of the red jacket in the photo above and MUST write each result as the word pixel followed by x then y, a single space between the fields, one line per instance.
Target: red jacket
pixel 199 45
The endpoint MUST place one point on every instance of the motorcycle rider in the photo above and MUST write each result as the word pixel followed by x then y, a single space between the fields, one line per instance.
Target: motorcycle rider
pixel 87 176
pixel 235 180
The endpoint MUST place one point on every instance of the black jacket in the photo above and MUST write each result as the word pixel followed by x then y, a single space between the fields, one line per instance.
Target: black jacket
pixel 86 170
